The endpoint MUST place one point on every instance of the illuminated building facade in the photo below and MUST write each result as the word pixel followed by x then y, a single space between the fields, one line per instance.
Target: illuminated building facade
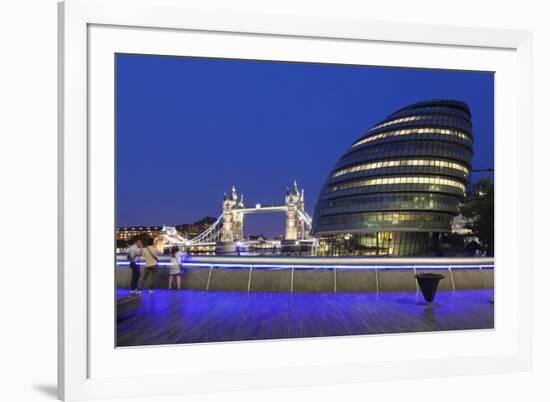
pixel 129 233
pixel 294 224
pixel 232 217
pixel 234 209
pixel 397 188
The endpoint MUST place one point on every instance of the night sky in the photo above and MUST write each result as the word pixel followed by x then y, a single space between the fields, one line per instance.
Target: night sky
pixel 190 128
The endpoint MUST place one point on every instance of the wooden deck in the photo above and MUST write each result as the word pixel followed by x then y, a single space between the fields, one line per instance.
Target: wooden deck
pixel 193 316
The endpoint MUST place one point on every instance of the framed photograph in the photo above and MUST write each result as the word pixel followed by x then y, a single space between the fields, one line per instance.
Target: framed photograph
pixel 255 201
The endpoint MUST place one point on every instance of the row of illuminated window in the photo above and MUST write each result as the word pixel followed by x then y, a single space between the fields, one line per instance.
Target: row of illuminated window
pixel 399 180
pixel 406 149
pixel 373 238
pixel 435 109
pixel 402 120
pixel 375 243
pixel 432 199
pixel 135 233
pixel 430 120
pixel 400 163
pixel 415 130
pixel 388 202
pixel 393 218
pixel 139 229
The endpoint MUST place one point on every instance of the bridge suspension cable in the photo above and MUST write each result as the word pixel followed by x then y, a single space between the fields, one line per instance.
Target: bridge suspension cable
pixel 307 219
pixel 210 235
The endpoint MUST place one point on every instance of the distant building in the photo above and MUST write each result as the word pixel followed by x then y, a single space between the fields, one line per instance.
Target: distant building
pixel 130 232
pixel 396 190
pixel 187 231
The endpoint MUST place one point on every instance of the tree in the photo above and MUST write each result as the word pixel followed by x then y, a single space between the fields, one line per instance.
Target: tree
pixel 479 212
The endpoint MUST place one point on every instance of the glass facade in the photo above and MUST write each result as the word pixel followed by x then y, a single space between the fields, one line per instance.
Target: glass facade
pixel 402 163
pixel 397 188
pixel 414 131
pixel 376 244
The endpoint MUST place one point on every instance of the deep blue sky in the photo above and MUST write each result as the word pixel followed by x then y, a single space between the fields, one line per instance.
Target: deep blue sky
pixel 190 128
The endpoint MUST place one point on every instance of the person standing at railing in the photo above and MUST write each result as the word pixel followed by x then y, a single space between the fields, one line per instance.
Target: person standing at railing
pixel 134 251
pixel 150 255
pixel 175 267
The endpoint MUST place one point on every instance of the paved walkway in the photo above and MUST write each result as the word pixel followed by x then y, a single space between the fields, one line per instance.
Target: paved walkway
pixel 193 316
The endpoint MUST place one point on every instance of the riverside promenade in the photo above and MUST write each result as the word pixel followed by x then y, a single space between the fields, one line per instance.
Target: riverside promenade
pixel 197 316
pixel 239 298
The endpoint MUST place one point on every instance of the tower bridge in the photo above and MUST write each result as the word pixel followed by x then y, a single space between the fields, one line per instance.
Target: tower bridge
pixel 229 227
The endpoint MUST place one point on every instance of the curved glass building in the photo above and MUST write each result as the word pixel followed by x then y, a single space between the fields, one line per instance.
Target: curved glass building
pixel 397 188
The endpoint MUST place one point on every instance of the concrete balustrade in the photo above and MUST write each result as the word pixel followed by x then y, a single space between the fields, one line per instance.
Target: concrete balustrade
pixel 311 274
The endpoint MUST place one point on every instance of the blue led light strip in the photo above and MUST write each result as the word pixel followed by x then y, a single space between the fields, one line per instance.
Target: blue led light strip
pixel 309 266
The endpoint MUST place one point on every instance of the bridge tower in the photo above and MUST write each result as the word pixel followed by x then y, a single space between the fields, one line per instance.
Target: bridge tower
pixel 294 227
pixel 232 217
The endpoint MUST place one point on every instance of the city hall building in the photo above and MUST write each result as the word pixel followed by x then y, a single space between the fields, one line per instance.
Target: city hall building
pixel 398 187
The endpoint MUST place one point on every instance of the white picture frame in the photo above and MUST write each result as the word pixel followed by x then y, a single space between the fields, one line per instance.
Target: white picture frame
pixel 77 306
